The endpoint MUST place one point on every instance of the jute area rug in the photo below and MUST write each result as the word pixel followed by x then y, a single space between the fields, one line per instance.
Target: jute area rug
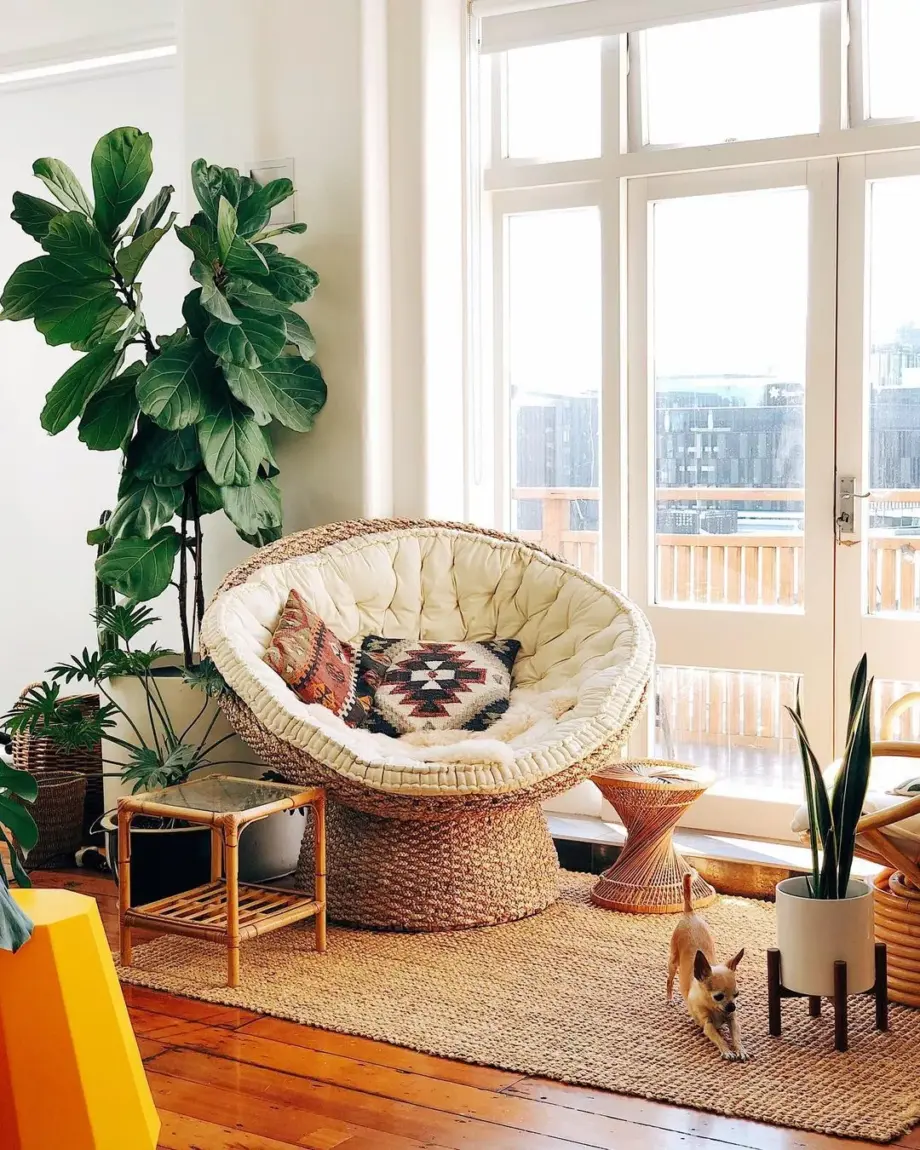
pixel 576 994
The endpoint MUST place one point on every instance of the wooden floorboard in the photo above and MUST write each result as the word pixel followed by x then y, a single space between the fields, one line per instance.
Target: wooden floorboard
pixel 230 1079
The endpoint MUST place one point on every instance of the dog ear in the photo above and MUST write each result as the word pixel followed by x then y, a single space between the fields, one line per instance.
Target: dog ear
pixel 701 968
pixel 732 963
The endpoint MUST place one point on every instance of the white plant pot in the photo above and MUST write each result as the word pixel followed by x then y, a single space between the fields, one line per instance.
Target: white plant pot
pixel 270 848
pixel 183 704
pixel 812 934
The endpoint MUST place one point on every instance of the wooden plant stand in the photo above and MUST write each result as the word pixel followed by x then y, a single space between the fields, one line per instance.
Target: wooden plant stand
pixel 650 796
pixel 223 909
pixel 776 992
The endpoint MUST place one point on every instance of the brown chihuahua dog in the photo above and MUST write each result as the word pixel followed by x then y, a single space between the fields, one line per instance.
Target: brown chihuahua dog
pixel 709 989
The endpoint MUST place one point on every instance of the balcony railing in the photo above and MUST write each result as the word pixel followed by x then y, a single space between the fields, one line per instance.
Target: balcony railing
pixel 744 569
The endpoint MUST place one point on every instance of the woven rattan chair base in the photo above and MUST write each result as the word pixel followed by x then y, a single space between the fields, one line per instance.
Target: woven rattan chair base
pixel 397 874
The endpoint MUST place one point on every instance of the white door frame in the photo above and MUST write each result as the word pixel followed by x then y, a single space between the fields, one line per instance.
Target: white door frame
pixel 782 640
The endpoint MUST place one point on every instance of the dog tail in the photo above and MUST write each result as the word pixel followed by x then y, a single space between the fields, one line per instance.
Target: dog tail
pixel 688 893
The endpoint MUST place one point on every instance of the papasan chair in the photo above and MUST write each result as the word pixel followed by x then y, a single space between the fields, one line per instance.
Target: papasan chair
pixel 436 837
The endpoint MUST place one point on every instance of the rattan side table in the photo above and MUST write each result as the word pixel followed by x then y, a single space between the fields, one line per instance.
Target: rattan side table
pixel 223 909
pixel 650 796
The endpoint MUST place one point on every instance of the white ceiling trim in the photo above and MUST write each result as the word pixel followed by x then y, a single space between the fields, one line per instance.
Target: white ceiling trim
pixel 90 48
pixel 507 24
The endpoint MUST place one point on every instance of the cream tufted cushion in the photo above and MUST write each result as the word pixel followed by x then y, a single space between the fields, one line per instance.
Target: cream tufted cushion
pixel 577 638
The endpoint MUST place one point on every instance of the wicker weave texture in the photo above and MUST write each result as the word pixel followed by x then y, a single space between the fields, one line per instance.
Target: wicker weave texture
pixel 58 814
pixel 478 869
pixel 421 862
pixel 650 796
pixel 37 755
pixel 897 924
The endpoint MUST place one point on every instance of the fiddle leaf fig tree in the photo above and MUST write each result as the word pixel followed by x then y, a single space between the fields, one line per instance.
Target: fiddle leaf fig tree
pixel 190 411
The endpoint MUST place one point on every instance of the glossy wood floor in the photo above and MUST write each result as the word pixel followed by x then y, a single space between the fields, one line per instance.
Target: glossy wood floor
pixel 226 1079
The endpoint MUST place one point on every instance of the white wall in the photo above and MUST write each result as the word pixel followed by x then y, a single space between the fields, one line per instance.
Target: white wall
pixel 39 31
pixel 54 488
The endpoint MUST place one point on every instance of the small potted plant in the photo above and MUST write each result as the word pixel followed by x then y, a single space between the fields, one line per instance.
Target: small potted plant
pixel 19 832
pixel 160 751
pixel 827 916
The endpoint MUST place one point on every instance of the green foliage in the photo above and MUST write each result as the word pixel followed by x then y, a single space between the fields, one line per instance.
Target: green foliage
pixel 19 832
pixel 187 408
pixel 167 756
pixel 832 819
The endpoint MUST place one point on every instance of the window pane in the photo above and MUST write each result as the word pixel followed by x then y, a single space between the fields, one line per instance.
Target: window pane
pixel 730 284
pixel 892 35
pixel 744 77
pixel 731 721
pixel 906 727
pixel 554 101
pixel 893 553
pixel 554 361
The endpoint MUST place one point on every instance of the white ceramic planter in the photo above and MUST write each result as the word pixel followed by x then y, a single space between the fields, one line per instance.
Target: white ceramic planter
pixel 184 703
pixel 270 848
pixel 812 934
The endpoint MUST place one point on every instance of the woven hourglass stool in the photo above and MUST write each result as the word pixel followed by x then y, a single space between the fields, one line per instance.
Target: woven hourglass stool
pixel 650 797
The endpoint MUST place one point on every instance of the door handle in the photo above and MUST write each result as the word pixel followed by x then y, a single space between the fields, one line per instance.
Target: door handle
pixel 846 505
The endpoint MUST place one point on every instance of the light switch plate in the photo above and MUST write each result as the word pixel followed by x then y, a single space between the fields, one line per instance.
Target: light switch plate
pixel 263 172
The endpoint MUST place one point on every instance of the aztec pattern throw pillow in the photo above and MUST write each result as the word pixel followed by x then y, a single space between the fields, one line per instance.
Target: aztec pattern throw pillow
pixel 439 686
pixel 321 668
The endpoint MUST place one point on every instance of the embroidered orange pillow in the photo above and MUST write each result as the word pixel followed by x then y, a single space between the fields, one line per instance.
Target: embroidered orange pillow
pixel 321 668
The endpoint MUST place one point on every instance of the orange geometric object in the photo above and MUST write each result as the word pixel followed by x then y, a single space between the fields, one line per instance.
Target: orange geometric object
pixel 70 1071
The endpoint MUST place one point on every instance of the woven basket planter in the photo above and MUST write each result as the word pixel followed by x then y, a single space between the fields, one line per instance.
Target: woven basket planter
pixel 58 814
pixel 897 924
pixel 37 756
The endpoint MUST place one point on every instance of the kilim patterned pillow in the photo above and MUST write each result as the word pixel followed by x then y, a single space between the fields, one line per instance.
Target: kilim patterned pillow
pixel 321 668
pixel 439 686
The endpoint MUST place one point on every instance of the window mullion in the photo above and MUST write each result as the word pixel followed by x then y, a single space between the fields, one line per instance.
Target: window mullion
pixel 833 52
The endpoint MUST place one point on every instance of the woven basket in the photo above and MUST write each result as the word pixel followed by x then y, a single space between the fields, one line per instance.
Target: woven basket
pixel 897 925
pixel 58 814
pixel 37 755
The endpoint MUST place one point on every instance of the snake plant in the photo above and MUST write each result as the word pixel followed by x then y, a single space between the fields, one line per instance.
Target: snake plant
pixel 833 817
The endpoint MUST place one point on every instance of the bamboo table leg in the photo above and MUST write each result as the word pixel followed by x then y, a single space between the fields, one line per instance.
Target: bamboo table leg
pixel 217 853
pixel 319 865
pixel 124 883
pixel 232 872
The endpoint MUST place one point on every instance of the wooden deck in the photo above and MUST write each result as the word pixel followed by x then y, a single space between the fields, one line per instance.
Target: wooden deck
pixel 227 1079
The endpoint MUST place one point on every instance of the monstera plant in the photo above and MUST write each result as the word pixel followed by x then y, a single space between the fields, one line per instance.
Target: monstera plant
pixel 190 411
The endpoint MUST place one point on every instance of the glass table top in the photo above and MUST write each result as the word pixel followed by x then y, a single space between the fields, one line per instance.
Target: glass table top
pixel 223 794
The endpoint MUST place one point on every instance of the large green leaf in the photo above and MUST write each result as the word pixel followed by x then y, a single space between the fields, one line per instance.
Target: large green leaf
pixel 65 306
pixel 166 457
pixel 246 260
pixel 209 500
pixel 257 338
pixel 63 185
pixel 33 214
pixel 299 334
pixel 288 390
pixel 212 298
pixel 199 241
pixel 231 444
pixel 143 509
pixel 109 325
pixel 175 388
pixel 196 318
pixel 255 211
pixel 130 259
pixel 288 278
pixel 140 569
pixel 253 509
pixel 210 182
pixel 154 212
pixel 226 226
pixel 67 399
pixel 75 241
pixel 110 415
pixel 240 290
pixel 121 167
pixel 297 229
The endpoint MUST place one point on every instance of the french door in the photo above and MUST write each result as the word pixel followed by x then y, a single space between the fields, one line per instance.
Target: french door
pixel 878 430
pixel 732 328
